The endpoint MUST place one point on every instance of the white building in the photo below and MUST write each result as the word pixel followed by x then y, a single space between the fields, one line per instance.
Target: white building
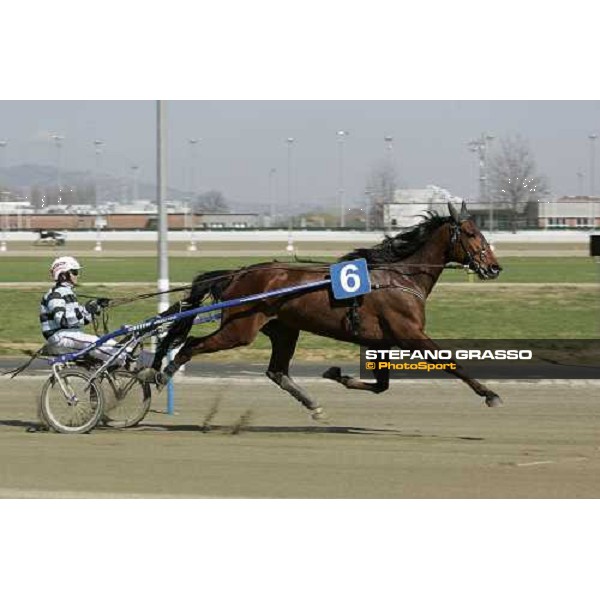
pixel 410 205
pixel 569 212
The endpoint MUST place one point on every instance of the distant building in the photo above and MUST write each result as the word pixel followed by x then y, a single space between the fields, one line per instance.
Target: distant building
pixel 410 205
pixel 570 212
pixel 227 221
pixel 120 221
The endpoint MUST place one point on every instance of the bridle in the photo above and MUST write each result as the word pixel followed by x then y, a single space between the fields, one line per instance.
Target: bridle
pixel 456 237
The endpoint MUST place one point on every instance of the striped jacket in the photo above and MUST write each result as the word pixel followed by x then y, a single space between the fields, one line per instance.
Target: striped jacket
pixel 59 309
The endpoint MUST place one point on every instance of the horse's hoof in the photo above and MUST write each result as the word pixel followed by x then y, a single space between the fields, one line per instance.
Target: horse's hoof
pixel 493 400
pixel 334 373
pixel 161 380
pixel 318 414
pixel 147 375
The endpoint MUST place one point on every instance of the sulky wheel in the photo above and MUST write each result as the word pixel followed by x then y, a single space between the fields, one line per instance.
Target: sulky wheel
pixel 126 399
pixel 70 402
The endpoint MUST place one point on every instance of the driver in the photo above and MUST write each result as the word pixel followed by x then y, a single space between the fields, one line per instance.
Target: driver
pixel 62 317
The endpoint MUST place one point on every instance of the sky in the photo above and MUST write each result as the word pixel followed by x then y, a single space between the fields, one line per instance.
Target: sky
pixel 315 49
pixel 240 142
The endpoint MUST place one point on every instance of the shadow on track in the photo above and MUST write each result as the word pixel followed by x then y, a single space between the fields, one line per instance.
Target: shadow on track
pixel 34 427
pixel 283 429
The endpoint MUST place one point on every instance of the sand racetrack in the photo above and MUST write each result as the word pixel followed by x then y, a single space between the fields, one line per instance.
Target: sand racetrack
pixel 418 440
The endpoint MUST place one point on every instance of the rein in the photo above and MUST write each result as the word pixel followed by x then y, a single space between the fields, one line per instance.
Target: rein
pixel 127 300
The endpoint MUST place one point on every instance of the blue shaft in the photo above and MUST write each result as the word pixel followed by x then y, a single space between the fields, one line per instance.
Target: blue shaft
pixel 149 324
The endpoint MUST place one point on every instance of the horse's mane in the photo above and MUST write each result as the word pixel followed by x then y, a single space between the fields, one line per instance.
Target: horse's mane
pixel 402 245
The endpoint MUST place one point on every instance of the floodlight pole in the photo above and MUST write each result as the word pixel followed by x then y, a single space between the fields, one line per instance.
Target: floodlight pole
pixel 163 229
pixel 592 137
pixel 341 136
pixel 481 147
pixel 290 243
pixel 192 247
pixel 98 150
pixel 3 144
pixel 272 173
pixel 58 140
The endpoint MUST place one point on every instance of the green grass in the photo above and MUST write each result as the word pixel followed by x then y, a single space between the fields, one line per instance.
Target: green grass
pixel 546 312
pixel 525 313
pixel 541 270
pixel 140 269
pixel 555 310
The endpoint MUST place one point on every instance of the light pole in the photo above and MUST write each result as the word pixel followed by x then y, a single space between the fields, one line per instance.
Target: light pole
pixel 290 243
pixel 480 146
pixel 389 144
pixel 389 181
pixel 580 175
pixel 592 137
pixel 368 193
pixel 341 135
pixel 134 187
pixel 163 225
pixel 272 173
pixel 98 152
pixel 58 140
pixel 189 212
pixel 3 144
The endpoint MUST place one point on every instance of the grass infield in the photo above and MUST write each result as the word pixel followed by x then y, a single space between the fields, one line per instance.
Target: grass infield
pixel 182 269
pixel 556 307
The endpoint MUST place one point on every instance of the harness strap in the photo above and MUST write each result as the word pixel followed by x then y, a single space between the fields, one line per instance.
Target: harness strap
pixel 14 372
pixel 404 288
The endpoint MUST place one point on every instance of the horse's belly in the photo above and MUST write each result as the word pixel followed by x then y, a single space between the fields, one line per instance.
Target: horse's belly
pixel 332 322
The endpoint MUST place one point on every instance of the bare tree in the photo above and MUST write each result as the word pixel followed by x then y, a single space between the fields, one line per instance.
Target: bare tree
pixel 381 187
pixel 514 182
pixel 212 201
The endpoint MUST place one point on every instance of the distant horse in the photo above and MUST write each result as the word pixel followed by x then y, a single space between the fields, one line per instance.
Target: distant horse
pixel 403 270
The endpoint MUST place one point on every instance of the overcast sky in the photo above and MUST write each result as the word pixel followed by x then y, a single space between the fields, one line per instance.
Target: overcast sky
pixel 241 141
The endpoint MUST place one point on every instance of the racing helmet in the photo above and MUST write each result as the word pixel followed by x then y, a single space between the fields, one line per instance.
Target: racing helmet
pixel 63 264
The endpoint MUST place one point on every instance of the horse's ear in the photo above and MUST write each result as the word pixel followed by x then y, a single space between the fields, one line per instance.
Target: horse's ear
pixel 453 213
pixel 464 213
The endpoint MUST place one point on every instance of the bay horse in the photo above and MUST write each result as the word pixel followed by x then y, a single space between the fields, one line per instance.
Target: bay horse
pixel 403 271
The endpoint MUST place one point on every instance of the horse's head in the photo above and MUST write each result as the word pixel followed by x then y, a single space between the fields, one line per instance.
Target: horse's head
pixel 469 247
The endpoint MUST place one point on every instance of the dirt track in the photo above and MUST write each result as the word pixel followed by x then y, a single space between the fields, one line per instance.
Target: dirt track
pixel 418 440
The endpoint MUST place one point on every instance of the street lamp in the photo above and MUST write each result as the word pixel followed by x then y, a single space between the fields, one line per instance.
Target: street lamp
pixel 368 201
pixel 192 142
pixel 480 146
pixel 98 152
pixel 389 141
pixel 3 144
pixel 134 182
pixel 290 244
pixel 592 137
pixel 341 135
pixel 389 181
pixel 58 140
pixel 580 175
pixel 272 173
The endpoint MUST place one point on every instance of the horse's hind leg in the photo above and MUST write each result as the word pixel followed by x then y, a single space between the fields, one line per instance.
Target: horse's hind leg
pixel 382 380
pixel 283 345
pixel 234 333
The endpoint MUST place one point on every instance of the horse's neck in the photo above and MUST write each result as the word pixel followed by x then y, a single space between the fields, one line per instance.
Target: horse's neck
pixel 429 260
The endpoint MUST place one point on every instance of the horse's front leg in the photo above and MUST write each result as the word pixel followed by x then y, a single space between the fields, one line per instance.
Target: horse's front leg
pixel 382 380
pixel 419 341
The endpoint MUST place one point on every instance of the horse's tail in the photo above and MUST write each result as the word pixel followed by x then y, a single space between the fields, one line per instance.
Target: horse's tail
pixel 212 283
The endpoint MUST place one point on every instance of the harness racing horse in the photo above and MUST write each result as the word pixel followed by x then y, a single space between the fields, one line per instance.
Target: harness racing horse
pixel 403 271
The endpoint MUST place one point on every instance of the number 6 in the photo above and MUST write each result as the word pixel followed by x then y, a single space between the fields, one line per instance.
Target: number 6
pixel 350 281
